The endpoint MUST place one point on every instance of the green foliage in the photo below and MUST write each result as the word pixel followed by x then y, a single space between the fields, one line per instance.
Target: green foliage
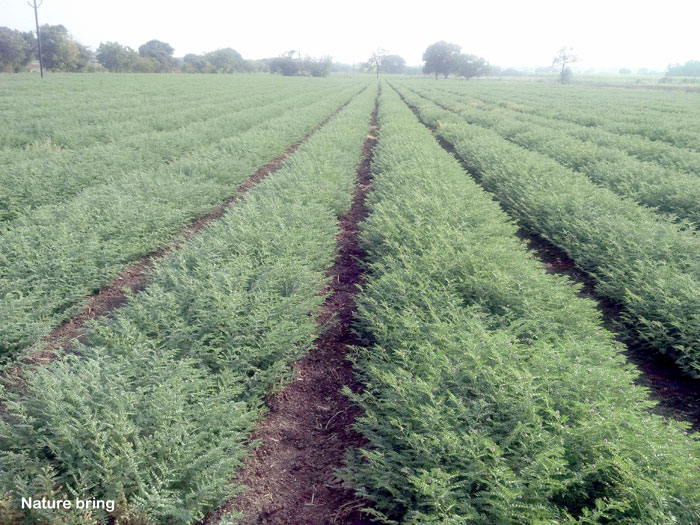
pixel 16 49
pixel 670 192
pixel 224 60
pixel 469 66
pixel 644 263
pixel 690 69
pixel 290 65
pixel 492 392
pixel 61 52
pixel 441 58
pixel 115 57
pixel 160 52
pixel 286 64
pixel 62 251
pixel 156 410
pixel 593 116
pixel 393 64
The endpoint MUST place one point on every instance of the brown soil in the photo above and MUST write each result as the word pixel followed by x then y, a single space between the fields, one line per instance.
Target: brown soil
pixel 304 437
pixel 677 394
pixel 134 277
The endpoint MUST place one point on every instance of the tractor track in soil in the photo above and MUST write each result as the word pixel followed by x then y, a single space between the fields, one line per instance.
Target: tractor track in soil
pixel 134 277
pixel 290 477
pixel 677 394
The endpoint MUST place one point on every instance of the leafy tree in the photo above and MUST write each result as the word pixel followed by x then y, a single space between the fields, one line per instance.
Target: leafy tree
pixel 441 58
pixel 116 57
pixel 61 52
pixel 147 65
pixel 689 69
pixel 393 64
pixel 285 64
pixel 16 49
pixel 317 67
pixel 511 72
pixel 192 63
pixel 625 71
pixel 377 59
pixel 563 58
pixel 159 51
pixel 224 60
pixel 469 66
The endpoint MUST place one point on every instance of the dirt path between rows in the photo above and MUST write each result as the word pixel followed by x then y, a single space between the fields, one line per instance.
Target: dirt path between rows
pixel 677 394
pixel 134 277
pixel 304 437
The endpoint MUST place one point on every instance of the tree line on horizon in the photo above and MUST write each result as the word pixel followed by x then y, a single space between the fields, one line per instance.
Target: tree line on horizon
pixel 61 52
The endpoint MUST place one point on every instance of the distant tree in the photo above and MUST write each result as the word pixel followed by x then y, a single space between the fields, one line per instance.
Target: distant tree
pixel 338 67
pixel 441 58
pixel 116 57
pixel 159 51
pixel 566 76
pixel 511 72
pixel 689 69
pixel 192 63
pixel 16 49
pixel 61 52
pixel 147 65
pixel 285 64
pixel 563 58
pixel 377 59
pixel 625 71
pixel 469 66
pixel 225 60
pixel 393 65
pixel 317 67
pixel 643 71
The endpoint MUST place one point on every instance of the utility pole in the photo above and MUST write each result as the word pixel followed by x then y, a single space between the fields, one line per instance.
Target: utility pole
pixel 38 36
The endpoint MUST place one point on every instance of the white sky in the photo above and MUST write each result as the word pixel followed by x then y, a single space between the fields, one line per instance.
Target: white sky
pixel 604 33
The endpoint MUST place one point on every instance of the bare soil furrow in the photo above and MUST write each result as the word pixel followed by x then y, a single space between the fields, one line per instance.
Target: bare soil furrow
pixel 304 437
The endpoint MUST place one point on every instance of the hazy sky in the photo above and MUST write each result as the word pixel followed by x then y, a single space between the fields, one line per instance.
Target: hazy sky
pixel 605 34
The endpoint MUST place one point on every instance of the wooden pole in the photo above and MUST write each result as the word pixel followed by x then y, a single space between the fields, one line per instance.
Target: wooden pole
pixel 38 35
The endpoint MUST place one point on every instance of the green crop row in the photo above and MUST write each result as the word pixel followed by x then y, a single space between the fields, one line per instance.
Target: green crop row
pixel 92 111
pixel 644 149
pixel 670 118
pixel 27 183
pixel 670 192
pixel 71 124
pixel 522 106
pixel 154 412
pixel 492 392
pixel 646 264
pixel 52 259
pixel 632 111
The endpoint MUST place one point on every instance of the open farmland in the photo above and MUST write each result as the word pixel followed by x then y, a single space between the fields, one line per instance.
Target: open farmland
pixel 180 258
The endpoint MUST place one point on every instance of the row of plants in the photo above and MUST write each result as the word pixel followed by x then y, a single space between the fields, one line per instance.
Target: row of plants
pixel 31 181
pixel 77 119
pixel 670 118
pixel 52 259
pixel 595 106
pixel 155 409
pixel 644 263
pixel 673 193
pixel 645 149
pixel 492 392
pixel 524 106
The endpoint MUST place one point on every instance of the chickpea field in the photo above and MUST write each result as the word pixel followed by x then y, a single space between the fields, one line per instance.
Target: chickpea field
pixel 348 300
